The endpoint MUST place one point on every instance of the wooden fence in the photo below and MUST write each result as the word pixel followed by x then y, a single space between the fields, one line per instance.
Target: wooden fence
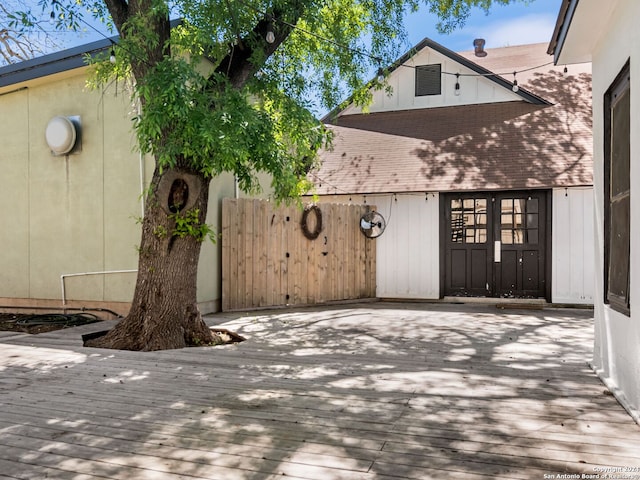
pixel 268 261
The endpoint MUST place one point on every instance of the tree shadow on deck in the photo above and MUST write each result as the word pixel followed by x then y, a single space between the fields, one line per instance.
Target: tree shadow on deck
pixel 374 391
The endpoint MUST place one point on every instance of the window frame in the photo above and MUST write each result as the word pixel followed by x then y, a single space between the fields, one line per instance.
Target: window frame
pixel 617 299
pixel 434 69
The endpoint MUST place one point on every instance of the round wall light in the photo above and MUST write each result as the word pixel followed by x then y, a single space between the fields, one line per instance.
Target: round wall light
pixel 60 135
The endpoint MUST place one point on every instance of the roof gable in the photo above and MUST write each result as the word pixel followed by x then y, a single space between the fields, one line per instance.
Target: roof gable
pixel 480 71
pixel 477 83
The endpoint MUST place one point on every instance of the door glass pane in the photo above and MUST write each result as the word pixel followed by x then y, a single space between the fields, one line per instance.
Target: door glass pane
pixel 518 236
pixel 469 220
pixel 517 220
pixel 456 227
pixel 470 235
pixel 532 236
pixel 516 217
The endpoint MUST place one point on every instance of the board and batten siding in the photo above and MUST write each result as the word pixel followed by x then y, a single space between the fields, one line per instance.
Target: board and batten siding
pixel 408 252
pixel 474 88
pixel 572 246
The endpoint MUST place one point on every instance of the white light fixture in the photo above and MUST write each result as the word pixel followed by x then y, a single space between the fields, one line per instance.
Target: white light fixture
pixel 380 75
pixel 515 87
pixel 271 37
pixel 60 135
pixel 456 90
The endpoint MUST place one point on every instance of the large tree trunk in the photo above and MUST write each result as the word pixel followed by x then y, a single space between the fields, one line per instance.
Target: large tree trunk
pixel 164 313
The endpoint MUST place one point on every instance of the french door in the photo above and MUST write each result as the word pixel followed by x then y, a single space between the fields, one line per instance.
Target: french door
pixel 495 244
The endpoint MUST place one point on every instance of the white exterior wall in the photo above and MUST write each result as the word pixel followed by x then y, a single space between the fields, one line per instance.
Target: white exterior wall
pixel 473 89
pixel 408 253
pixel 617 344
pixel 572 250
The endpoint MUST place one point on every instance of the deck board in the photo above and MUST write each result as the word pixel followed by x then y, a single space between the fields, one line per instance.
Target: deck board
pixel 368 392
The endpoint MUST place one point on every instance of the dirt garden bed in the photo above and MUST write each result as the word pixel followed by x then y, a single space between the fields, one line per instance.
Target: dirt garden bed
pixel 49 322
pixel 43 322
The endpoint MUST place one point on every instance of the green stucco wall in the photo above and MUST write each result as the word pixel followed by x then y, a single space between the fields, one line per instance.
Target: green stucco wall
pixel 77 213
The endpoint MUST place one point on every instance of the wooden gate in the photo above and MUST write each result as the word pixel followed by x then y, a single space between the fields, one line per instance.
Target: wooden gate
pixel 268 261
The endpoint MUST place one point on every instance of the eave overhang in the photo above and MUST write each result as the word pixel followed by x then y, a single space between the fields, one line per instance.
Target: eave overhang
pixel 579 27
pixel 53 63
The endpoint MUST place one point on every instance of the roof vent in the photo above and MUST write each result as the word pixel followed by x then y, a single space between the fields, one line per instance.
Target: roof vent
pixel 478 44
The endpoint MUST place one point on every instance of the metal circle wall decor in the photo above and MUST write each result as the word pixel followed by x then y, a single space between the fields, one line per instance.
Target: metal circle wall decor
pixel 304 223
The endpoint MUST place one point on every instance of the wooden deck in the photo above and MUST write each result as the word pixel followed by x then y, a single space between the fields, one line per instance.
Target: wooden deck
pixel 374 391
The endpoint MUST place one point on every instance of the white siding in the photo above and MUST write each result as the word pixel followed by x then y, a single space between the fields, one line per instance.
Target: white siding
pixel 617 343
pixel 473 89
pixel 408 253
pixel 572 246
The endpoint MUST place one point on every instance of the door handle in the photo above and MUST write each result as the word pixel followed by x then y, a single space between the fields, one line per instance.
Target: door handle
pixel 497 251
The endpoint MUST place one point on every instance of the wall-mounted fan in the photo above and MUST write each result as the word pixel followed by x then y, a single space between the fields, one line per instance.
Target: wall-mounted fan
pixel 372 224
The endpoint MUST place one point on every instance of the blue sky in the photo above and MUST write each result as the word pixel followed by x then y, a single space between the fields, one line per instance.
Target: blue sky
pixel 514 24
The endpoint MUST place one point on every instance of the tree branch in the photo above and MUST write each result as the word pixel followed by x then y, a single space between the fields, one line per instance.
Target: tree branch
pixel 124 10
pixel 119 10
pixel 237 65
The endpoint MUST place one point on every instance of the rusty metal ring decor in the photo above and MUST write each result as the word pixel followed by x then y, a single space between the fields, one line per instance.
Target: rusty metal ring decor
pixel 311 235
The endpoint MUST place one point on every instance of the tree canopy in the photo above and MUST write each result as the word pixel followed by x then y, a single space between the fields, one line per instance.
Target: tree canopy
pixel 231 85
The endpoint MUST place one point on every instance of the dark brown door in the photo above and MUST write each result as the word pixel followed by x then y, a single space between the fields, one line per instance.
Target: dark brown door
pixel 494 244
pixel 468 244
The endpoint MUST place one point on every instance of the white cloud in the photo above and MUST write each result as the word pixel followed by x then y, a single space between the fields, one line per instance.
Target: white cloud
pixel 532 28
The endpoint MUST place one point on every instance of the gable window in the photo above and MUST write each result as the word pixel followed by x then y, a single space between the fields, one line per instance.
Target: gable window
pixel 617 109
pixel 428 80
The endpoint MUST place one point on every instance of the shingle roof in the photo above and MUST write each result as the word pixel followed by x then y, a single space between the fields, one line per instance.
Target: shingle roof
pixel 509 145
